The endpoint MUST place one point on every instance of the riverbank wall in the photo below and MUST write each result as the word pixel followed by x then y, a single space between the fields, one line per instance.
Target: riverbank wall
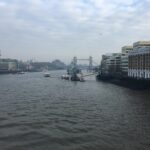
pixel 137 84
pixel 9 71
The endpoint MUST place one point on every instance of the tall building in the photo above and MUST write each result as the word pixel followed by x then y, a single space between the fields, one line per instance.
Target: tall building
pixel 139 60
pixel 124 60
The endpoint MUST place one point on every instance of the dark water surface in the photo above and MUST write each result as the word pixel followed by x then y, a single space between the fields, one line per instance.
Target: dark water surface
pixel 38 113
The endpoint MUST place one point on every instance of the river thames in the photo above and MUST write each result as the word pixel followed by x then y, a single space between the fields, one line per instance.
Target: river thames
pixel 38 113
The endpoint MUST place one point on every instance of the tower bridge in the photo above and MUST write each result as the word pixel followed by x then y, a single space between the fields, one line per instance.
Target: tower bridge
pixel 90 60
pixel 74 73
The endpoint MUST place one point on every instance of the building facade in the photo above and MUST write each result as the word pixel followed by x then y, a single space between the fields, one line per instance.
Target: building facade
pixel 105 64
pixel 139 60
pixel 110 65
pixel 124 60
pixel 8 65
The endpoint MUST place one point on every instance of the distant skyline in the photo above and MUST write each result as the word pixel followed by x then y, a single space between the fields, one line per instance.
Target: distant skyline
pixel 45 30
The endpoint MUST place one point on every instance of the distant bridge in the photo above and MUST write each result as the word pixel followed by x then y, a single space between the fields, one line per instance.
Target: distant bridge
pixel 90 60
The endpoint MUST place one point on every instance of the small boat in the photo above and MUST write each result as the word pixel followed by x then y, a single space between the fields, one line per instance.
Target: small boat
pixel 66 77
pixel 47 74
pixel 82 79
pixel 75 78
pixel 21 72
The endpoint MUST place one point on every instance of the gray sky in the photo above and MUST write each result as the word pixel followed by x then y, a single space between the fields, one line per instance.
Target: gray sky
pixel 48 29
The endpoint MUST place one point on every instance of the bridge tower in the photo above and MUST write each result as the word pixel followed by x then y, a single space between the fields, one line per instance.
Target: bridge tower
pixel 75 61
pixel 90 63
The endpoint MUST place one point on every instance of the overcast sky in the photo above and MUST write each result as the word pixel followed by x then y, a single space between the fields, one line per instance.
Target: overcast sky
pixel 48 29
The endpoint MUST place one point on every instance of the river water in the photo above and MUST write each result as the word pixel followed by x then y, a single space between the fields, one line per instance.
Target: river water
pixel 38 113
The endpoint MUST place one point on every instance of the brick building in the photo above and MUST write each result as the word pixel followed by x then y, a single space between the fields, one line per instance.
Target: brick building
pixel 139 60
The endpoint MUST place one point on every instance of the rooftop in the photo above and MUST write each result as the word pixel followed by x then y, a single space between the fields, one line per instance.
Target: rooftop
pixel 127 47
pixel 141 43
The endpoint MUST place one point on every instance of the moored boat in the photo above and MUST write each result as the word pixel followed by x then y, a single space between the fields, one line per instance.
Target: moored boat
pixel 21 72
pixel 66 77
pixel 47 74
pixel 82 79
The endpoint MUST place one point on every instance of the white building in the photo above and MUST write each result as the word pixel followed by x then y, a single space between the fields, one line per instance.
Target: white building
pixel 124 60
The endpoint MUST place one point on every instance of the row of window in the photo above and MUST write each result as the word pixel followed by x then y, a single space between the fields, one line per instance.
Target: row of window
pixel 139 74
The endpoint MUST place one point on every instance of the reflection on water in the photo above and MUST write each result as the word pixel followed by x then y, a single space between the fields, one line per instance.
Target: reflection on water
pixel 49 113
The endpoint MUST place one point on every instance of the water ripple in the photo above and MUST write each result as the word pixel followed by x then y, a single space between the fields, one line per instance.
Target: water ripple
pixel 38 113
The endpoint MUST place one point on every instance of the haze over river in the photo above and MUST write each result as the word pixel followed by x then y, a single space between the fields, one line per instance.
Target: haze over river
pixel 38 113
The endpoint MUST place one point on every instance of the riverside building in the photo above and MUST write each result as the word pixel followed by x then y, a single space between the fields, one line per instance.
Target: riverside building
pixel 110 65
pixel 139 60
pixel 105 64
pixel 124 60
pixel 8 65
